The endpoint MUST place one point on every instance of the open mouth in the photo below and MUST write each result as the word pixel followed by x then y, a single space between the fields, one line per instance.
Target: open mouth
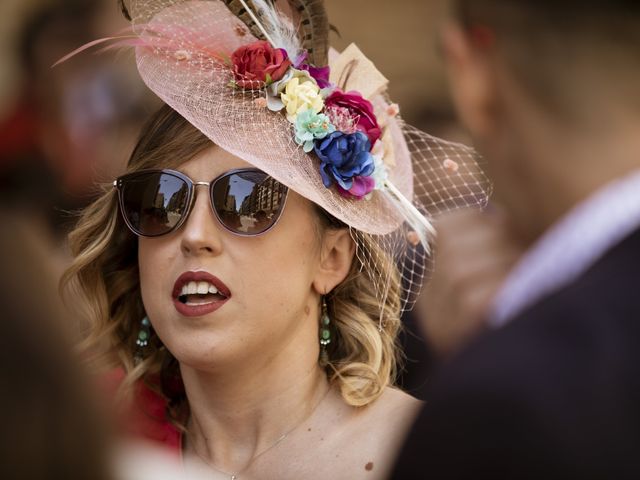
pixel 200 293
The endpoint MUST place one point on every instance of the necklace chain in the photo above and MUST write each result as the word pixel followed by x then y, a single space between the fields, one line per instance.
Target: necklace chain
pixel 235 476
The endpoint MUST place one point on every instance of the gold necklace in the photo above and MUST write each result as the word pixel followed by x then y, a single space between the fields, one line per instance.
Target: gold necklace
pixel 235 476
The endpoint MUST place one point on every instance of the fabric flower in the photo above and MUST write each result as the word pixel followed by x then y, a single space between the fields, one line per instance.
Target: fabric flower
pixel 380 173
pixel 258 63
pixel 275 90
pixel 343 158
pixel 362 186
pixel 342 118
pixel 311 126
pixel 319 74
pixel 359 106
pixel 301 94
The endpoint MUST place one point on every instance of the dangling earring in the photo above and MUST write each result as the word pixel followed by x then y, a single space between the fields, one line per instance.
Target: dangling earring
pixel 143 337
pixel 325 333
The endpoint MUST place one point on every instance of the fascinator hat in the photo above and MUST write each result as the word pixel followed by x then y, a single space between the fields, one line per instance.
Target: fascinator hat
pixel 265 86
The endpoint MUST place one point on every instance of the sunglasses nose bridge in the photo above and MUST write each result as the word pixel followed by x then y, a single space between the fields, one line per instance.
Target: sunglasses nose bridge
pixel 199 184
pixel 203 184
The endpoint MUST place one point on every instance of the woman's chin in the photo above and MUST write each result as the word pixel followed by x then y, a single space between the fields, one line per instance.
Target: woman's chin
pixel 208 356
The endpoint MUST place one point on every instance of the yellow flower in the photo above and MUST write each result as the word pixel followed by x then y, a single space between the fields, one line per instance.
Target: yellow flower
pixel 301 93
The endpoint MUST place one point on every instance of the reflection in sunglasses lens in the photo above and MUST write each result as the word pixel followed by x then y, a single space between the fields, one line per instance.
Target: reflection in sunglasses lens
pixel 154 202
pixel 249 202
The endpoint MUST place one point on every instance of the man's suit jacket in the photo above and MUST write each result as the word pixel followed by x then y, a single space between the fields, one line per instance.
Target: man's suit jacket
pixel 553 394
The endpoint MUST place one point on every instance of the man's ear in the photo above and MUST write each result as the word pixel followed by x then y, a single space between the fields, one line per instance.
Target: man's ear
pixel 336 256
pixel 471 79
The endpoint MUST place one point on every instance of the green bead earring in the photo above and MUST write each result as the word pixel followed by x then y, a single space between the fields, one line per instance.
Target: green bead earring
pixel 325 333
pixel 145 333
pixel 143 339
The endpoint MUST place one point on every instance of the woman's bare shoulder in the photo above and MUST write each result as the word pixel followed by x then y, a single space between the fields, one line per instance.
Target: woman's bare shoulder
pixel 395 407
pixel 372 435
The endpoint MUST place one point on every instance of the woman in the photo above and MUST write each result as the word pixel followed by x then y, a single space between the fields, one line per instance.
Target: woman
pixel 259 294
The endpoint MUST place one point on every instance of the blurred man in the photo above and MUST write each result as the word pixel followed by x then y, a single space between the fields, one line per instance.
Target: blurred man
pixel 551 389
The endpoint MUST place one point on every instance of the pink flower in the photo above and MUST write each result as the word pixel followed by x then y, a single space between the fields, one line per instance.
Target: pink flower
pixel 342 119
pixel 450 165
pixel 259 63
pixel 357 105
pixel 360 188
pixel 393 110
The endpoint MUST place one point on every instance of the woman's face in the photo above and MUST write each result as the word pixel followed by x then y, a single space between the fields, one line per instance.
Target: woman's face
pixel 271 304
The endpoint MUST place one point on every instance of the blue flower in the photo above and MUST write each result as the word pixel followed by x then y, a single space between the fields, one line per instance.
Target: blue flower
pixel 344 156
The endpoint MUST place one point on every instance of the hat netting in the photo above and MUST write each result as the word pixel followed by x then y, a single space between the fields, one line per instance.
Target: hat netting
pixel 182 53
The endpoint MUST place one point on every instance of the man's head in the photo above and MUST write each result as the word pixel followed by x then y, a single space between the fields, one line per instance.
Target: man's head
pixel 538 83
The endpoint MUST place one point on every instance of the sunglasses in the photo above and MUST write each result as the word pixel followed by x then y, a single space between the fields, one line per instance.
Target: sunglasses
pixel 245 201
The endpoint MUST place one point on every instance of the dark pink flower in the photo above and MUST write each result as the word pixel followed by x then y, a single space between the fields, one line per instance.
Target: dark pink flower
pixel 360 188
pixel 357 105
pixel 321 75
pixel 259 63
pixel 342 119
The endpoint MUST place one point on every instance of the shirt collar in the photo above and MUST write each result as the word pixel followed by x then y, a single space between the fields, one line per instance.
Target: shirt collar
pixel 570 247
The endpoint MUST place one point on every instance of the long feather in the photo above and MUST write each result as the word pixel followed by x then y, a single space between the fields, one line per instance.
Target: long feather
pixel 86 46
pixel 279 28
pixel 314 29
pixel 257 22
pixel 124 9
pixel 309 31
pixel 416 220
pixel 238 9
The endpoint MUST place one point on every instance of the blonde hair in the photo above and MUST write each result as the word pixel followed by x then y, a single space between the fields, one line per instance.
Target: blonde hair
pixel 363 354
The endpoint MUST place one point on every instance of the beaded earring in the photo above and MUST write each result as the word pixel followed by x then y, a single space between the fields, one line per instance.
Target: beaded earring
pixel 325 333
pixel 143 337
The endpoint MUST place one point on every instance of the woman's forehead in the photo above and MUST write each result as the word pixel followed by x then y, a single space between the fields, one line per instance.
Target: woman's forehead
pixel 210 163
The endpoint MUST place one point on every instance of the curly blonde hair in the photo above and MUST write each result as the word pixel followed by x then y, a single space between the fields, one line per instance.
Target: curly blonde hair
pixel 363 355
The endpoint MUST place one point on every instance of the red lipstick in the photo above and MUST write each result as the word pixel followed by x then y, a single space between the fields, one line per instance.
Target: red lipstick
pixel 224 294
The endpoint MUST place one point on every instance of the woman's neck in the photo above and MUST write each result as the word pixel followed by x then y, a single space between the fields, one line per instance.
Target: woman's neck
pixel 239 414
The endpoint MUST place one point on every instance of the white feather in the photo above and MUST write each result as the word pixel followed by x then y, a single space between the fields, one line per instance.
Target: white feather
pixel 416 220
pixel 278 28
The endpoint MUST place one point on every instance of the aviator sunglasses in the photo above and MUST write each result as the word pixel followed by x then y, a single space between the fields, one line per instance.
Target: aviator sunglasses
pixel 245 201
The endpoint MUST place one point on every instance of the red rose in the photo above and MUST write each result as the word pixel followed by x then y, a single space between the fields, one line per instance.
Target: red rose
pixel 257 63
pixel 359 106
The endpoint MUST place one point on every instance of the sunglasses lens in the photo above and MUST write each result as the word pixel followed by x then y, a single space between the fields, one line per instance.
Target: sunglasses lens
pixel 248 202
pixel 153 202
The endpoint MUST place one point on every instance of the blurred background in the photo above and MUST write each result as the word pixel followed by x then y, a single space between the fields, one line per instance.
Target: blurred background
pixel 63 130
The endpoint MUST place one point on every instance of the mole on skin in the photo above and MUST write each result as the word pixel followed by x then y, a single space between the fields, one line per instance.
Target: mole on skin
pixel 369 466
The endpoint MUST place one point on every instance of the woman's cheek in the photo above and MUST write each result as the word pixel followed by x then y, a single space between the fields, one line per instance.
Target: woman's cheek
pixel 153 267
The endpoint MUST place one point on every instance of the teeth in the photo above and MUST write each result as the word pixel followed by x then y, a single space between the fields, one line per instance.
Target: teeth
pixel 201 288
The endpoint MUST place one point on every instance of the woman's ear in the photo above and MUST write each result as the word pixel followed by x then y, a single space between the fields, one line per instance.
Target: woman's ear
pixel 336 256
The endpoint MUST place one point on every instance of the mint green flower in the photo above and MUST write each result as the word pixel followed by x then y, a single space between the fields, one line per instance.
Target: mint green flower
pixel 311 126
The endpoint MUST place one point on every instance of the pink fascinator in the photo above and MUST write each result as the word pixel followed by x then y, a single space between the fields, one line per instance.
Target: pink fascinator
pixel 264 85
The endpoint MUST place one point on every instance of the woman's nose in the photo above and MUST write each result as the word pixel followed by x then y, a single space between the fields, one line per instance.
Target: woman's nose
pixel 201 231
